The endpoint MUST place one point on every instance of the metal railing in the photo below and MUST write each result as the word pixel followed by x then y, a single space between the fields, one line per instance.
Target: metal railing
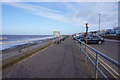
pixel 97 69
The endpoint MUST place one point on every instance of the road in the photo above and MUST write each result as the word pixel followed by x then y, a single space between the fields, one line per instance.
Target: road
pixel 109 48
pixel 57 61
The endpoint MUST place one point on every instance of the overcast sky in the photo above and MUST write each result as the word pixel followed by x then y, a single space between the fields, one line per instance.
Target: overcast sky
pixel 66 17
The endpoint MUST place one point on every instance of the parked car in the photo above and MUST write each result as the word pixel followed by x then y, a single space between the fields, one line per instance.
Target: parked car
pixel 78 37
pixel 93 39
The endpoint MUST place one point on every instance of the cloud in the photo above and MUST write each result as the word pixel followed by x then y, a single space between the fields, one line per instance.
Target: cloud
pixel 108 11
pixel 88 12
pixel 60 0
pixel 38 10
pixel 75 13
pixel 30 7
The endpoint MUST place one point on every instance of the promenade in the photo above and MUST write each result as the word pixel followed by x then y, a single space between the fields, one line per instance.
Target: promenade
pixel 62 60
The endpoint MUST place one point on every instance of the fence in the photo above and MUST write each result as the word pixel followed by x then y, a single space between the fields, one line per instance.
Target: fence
pixel 87 49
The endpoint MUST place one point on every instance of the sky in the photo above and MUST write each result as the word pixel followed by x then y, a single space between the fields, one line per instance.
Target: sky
pixel 42 18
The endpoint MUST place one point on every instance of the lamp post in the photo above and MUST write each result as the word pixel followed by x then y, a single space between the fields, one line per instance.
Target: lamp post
pixel 99 24
pixel 86 39
pixel 86 31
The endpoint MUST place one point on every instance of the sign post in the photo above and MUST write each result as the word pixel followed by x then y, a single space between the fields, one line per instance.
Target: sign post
pixel 57 33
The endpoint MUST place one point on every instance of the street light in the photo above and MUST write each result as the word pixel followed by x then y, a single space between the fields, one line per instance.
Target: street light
pixel 86 39
pixel 86 31
pixel 99 24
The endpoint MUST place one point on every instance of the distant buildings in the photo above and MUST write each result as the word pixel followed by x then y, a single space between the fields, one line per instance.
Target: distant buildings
pixel 107 32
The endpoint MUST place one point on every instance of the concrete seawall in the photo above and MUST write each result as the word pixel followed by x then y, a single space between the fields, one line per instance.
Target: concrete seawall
pixel 14 57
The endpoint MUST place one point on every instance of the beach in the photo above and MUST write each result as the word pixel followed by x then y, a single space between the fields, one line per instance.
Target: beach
pixel 20 47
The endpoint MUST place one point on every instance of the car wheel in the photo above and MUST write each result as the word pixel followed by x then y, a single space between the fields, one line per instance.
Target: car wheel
pixel 99 42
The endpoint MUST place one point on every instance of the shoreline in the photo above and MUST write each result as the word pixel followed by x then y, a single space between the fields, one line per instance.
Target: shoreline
pixel 13 40
pixel 21 46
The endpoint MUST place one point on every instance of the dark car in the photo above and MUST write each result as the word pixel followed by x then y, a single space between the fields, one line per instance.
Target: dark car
pixel 93 39
pixel 78 37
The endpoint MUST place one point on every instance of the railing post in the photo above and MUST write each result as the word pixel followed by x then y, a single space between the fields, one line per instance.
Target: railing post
pixel 86 53
pixel 81 47
pixel 96 66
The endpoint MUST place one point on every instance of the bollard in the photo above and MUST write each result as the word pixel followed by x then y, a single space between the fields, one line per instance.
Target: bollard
pixel 96 66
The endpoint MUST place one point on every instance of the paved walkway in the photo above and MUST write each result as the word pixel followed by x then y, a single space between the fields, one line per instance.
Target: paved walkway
pixel 57 61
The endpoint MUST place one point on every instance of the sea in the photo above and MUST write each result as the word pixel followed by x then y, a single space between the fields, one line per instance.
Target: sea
pixel 9 41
